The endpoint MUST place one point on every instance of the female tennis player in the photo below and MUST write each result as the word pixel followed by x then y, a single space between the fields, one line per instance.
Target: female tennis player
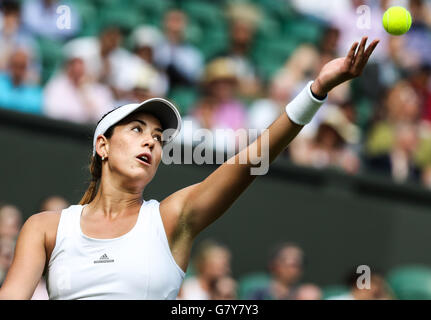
pixel 115 244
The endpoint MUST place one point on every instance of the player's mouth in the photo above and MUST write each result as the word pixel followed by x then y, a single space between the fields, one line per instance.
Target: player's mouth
pixel 145 158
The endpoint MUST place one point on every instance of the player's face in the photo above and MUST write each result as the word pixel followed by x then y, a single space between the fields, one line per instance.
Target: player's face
pixel 135 149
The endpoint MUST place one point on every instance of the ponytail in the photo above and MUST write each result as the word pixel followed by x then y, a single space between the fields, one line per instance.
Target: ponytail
pixel 96 174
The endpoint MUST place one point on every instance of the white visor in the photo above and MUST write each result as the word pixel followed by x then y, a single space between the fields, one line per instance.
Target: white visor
pixel 162 109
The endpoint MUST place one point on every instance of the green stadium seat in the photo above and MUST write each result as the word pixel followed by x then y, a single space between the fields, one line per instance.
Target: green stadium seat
pixel 194 33
pixel 153 10
pixel 268 29
pixel 104 4
pixel 270 56
pixel 125 17
pixel 89 18
pixel 281 10
pixel 251 282
pixel 204 13
pixel 303 29
pixel 329 292
pixel 52 55
pixel 207 26
pixel 213 43
pixel 184 98
pixel 411 282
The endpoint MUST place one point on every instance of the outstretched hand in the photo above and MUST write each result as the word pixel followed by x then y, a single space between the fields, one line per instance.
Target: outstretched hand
pixel 343 69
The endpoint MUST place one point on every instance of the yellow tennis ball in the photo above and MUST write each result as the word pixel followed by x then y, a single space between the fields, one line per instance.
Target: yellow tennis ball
pixel 397 21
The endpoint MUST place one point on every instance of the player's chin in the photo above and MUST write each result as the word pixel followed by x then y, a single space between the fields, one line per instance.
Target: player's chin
pixel 145 171
pixel 139 178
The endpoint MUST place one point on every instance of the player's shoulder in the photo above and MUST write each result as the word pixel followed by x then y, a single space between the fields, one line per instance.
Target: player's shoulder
pixel 45 216
pixel 44 220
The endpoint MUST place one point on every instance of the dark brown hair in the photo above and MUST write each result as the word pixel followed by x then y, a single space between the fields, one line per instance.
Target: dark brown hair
pixel 96 173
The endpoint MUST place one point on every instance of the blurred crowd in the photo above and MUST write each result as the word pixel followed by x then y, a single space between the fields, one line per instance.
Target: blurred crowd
pixel 211 278
pixel 230 65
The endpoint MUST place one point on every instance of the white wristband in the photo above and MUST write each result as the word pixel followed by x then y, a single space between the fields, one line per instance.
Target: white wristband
pixel 302 109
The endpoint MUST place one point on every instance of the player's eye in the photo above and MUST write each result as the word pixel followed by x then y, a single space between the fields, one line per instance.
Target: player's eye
pixel 138 129
pixel 158 138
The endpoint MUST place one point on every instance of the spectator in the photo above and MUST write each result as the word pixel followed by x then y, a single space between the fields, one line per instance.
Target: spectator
pixel 286 267
pixel 392 70
pixel 43 18
pixel 397 143
pixel 328 45
pixel 53 203
pixel 7 248
pixel 301 66
pixel 243 21
pixel 426 177
pixel 13 37
pixel 263 112
pixel 331 145
pixel 308 292
pixel 212 261
pixel 145 86
pixel 146 40
pixel 10 221
pixel 420 80
pixel 410 52
pixel 218 108
pixel 400 162
pixel 328 50
pixel 106 61
pixel 398 139
pixel 182 62
pixel 418 39
pixel 378 289
pixel 10 224
pixel 402 104
pixel 16 93
pixel 322 10
pixel 223 288
pixel 73 96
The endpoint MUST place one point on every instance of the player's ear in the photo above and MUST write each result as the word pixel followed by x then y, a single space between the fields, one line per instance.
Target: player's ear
pixel 102 146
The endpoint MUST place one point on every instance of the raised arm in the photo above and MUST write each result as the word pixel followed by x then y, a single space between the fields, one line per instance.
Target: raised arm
pixel 199 205
pixel 28 262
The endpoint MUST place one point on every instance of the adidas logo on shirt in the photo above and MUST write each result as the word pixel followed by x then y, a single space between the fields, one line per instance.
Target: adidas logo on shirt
pixel 104 259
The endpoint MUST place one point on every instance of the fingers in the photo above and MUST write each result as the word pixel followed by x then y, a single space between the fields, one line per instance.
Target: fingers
pixel 371 48
pixel 367 54
pixel 360 54
pixel 351 55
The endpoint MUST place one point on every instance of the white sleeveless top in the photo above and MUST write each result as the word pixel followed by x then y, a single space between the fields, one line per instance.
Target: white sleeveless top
pixel 136 265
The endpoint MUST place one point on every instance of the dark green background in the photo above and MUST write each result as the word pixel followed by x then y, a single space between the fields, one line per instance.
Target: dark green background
pixel 340 221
